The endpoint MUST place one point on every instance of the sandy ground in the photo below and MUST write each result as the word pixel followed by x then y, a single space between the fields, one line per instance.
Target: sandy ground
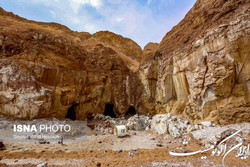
pixel 141 148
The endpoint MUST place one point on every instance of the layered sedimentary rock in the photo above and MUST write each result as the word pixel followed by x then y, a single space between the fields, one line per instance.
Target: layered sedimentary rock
pixel 201 68
pixel 47 70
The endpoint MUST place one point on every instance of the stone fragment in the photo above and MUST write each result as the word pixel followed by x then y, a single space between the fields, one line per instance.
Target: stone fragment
pixel 206 123
pixel 170 124
pixel 137 122
pixel 42 165
pixel 190 128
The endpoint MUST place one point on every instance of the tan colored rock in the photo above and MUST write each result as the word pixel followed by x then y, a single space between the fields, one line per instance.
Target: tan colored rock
pixel 124 45
pixel 180 86
pixel 149 50
pixel 47 70
pixel 201 67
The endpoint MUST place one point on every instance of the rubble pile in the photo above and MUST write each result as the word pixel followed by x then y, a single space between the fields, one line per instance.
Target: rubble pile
pixel 108 123
pixel 160 123
pixel 138 122
pixel 215 134
pixel 173 125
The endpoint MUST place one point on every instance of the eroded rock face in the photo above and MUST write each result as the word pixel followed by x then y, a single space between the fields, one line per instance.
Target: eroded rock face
pixel 125 45
pixel 148 51
pixel 201 67
pixel 47 70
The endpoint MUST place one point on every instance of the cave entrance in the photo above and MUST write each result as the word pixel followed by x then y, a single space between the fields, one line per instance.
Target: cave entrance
pixel 71 114
pixel 109 110
pixel 131 111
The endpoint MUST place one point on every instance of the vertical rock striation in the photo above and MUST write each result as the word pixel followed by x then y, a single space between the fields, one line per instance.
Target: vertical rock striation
pixel 201 68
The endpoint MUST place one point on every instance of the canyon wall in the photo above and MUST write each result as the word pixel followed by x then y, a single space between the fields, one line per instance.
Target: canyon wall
pixel 47 70
pixel 201 68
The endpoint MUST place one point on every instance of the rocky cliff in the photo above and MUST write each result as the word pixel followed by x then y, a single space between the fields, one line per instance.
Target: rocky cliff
pixel 47 70
pixel 201 68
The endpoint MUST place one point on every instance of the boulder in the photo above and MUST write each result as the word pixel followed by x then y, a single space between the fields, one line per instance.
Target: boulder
pixel 138 122
pixel 160 123
pixel 169 124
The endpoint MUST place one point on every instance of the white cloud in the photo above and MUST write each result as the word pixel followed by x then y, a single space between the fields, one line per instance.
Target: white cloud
pixel 94 3
pixel 125 17
pixel 76 4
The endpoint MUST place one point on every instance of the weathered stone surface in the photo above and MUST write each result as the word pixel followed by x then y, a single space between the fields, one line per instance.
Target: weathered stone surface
pixel 206 123
pixel 159 123
pixel 138 122
pixel 167 123
pixel 199 70
pixel 108 123
pixel 148 50
pixel 42 165
pixel 212 135
pixel 124 45
pixel 201 67
pixel 47 70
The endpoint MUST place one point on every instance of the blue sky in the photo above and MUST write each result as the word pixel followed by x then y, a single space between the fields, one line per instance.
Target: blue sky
pixel 141 20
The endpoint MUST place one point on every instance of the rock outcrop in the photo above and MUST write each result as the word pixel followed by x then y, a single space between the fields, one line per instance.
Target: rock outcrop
pixel 201 68
pixel 124 45
pixel 47 70
pixel 148 51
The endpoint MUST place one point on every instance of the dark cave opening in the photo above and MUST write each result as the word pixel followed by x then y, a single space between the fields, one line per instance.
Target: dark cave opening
pixel 71 114
pixel 131 111
pixel 109 110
